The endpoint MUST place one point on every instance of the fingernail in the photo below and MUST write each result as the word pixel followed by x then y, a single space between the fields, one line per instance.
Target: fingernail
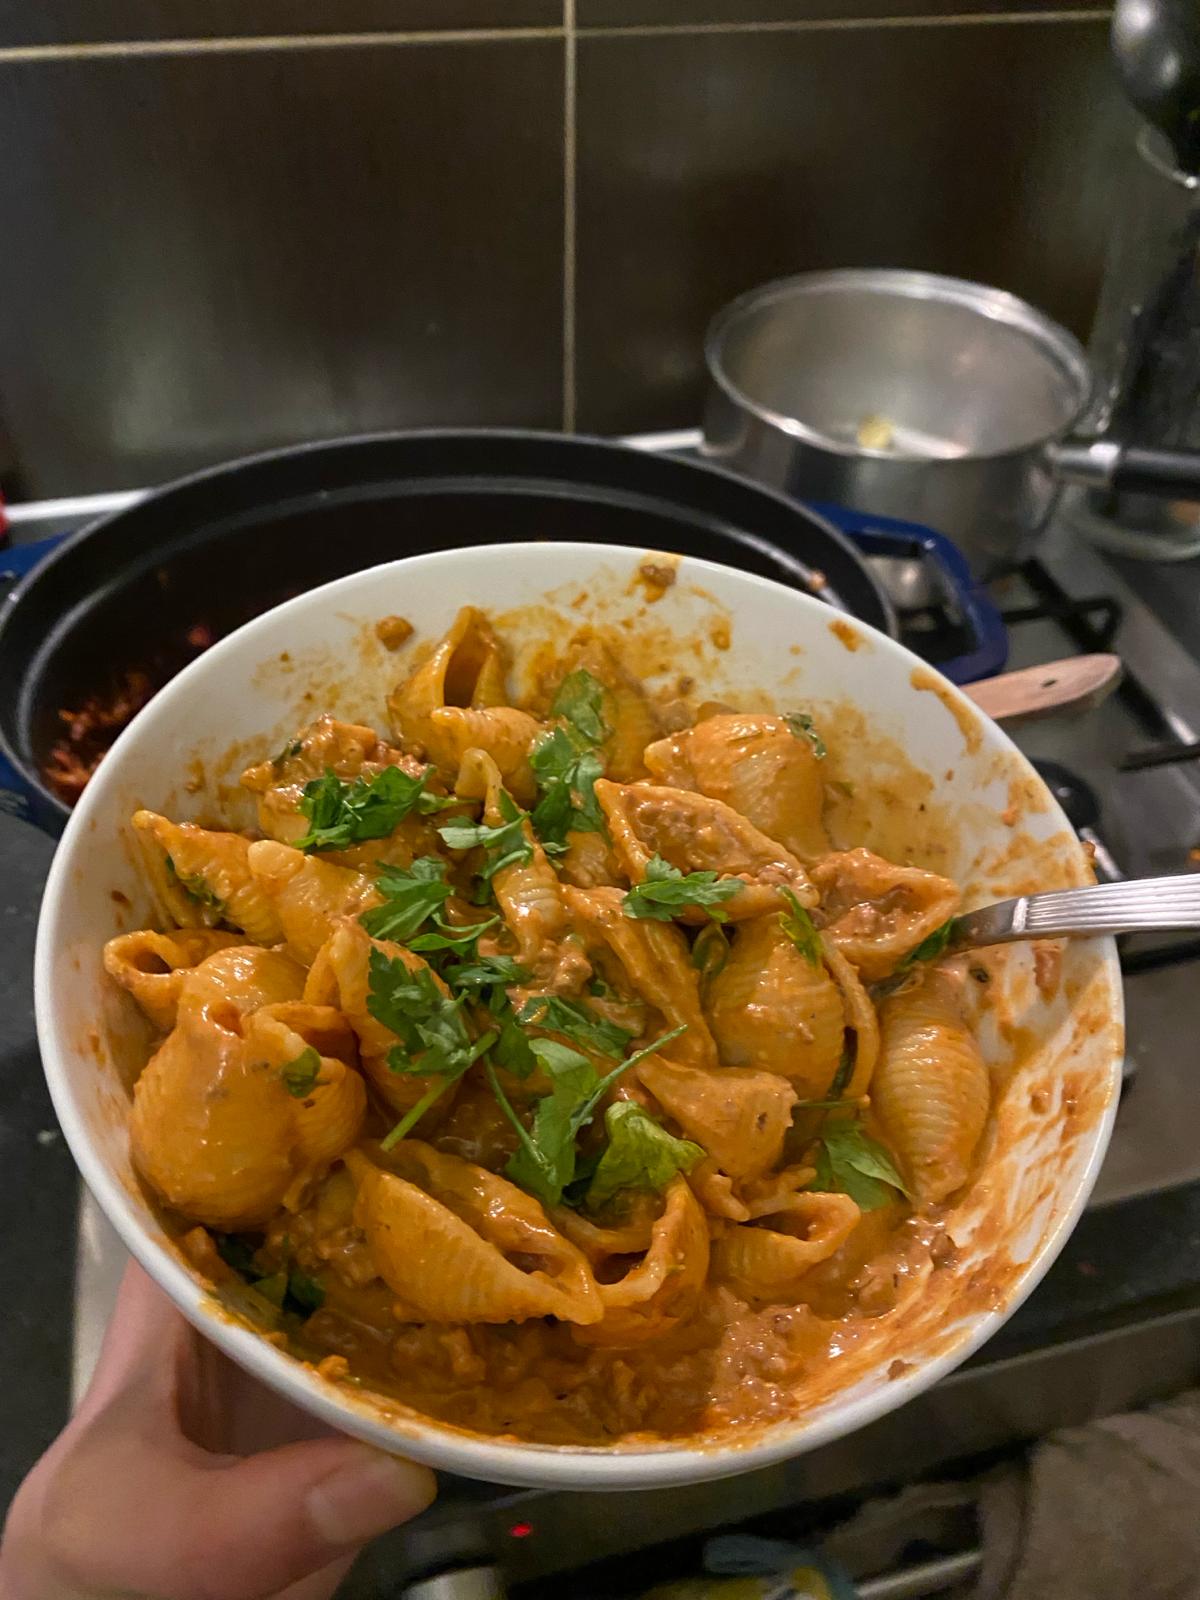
pixel 367 1495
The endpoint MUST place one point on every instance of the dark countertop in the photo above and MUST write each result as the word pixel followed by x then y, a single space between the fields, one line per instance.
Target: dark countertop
pixel 39 1185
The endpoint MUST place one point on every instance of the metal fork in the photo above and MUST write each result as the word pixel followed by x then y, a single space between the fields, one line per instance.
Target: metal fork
pixel 1136 906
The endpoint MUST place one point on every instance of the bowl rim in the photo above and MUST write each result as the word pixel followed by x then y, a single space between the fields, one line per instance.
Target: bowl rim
pixel 1058 347
pixel 437 1444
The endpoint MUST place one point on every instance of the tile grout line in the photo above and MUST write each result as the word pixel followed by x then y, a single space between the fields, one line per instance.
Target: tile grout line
pixel 569 197
pixel 252 43
pixel 11 54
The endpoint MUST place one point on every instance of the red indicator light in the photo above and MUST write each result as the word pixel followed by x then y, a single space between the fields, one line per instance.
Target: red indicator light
pixel 520 1530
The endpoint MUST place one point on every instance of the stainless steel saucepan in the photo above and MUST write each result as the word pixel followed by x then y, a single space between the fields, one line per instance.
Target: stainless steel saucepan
pixel 918 396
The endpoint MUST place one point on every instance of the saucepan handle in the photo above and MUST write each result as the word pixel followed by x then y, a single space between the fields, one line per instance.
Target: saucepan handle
pixel 1107 464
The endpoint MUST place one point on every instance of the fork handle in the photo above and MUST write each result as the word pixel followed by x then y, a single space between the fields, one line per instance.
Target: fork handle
pixel 1135 906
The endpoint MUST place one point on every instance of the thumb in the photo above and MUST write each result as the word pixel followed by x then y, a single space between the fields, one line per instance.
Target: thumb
pixel 257 1525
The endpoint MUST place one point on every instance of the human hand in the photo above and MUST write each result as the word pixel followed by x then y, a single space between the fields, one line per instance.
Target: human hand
pixel 163 1485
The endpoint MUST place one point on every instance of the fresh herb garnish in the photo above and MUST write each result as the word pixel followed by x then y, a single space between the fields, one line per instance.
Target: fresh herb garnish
pixel 286 754
pixel 194 886
pixel 566 777
pixel 802 727
pixel 546 1158
pixel 666 891
pixel 486 972
pixel 800 929
pixel 566 765
pixel 845 1066
pixel 301 1076
pixel 576 1022
pixel 288 1288
pixel 305 1290
pixel 640 1154
pixel 580 702
pixel 342 814
pixel 931 947
pixel 433 1037
pixel 505 843
pixel 452 940
pixel 850 1162
pixel 512 1048
pixel 410 897
pixel 710 950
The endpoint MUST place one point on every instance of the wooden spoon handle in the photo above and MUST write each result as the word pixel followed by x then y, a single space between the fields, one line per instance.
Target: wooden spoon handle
pixel 1076 684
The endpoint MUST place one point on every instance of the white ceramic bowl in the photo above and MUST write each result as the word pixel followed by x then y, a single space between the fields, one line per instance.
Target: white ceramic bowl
pixel 927 772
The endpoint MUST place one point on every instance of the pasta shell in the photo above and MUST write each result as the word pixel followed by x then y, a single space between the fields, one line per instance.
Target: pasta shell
pixel 349 751
pixel 768 1007
pixel 465 668
pixel 767 1263
pixel 739 1116
pixel 233 982
pixel 202 877
pixel 664 1287
pixel 654 957
pixel 458 1244
pixel 876 912
pixel 696 834
pixel 326 745
pixel 627 712
pixel 152 966
pixel 862 1024
pixel 306 895
pixel 504 733
pixel 588 862
pixel 527 892
pixel 210 1130
pixel 756 765
pixel 328 1120
pixel 930 1090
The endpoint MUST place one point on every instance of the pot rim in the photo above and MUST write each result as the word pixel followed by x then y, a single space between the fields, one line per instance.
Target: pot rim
pixel 997 305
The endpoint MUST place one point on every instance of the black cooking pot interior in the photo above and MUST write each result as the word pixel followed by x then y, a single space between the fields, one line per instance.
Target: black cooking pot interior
pixel 217 549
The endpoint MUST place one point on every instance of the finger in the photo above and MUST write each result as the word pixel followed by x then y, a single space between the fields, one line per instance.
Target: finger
pixel 256 1526
pixel 141 1348
pixel 119 1515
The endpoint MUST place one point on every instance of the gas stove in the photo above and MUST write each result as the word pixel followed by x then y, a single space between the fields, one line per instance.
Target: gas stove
pixel 1129 774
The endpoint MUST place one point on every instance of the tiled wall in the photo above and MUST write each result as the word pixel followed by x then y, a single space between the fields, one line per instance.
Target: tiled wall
pixel 229 224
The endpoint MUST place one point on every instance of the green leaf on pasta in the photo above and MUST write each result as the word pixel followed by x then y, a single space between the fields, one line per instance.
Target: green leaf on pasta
pixel 640 1154
pixel 850 1162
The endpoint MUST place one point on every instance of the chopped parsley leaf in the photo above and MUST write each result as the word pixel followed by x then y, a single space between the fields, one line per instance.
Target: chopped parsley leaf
pixel 577 1022
pixel 666 891
pixel 850 1162
pixel 710 951
pixel 566 777
pixel 931 947
pixel 580 702
pixel 640 1154
pixel 410 897
pixel 456 941
pixel 505 843
pixel 801 929
pixel 342 814
pixel 802 727
pixel 545 1162
pixel 301 1076
pixel 433 1037
pixel 195 887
